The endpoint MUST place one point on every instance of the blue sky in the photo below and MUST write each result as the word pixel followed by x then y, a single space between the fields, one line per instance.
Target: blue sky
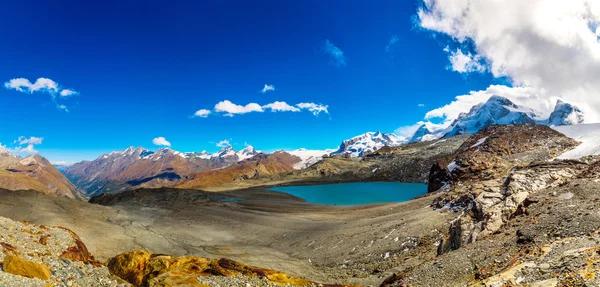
pixel 141 71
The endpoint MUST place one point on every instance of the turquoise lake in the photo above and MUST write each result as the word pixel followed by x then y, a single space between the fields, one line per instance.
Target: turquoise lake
pixel 355 193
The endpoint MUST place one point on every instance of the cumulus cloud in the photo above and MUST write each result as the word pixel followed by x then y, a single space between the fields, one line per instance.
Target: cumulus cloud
pixel 267 88
pixel 393 41
pixel 26 145
pixel 229 109
pixel 336 55
pixel 549 46
pixel 42 85
pixel 161 141
pixel 29 149
pixel 465 63
pixel 280 107
pixel 224 143
pixel 203 113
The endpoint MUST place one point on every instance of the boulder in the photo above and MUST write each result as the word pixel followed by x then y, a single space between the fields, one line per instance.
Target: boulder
pixel 19 266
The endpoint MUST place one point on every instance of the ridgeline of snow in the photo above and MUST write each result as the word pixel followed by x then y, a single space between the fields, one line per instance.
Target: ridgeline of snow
pixel 309 157
pixel 367 143
pixel 499 111
pixel 587 134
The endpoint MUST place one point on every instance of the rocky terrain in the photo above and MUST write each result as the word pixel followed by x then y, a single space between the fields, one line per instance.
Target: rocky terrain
pixel 35 173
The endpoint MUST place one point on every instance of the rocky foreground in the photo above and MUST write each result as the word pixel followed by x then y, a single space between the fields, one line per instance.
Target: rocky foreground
pixel 33 255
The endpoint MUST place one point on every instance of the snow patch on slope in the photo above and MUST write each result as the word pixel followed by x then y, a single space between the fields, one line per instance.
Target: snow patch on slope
pixel 309 157
pixel 587 134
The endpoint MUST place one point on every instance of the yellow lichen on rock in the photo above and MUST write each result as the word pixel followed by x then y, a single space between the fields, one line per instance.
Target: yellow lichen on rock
pixel 19 266
pixel 142 268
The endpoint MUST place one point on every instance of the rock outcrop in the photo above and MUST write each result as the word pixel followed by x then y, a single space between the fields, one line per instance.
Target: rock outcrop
pixel 35 255
pixel 142 268
pixel 490 176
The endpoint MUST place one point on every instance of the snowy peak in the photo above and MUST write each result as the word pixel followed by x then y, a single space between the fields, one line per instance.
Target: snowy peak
pixel 367 143
pixel 496 111
pixel 247 153
pixel 565 114
pixel 499 110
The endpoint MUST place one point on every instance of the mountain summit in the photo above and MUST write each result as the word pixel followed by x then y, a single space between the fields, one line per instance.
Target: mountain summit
pixel 367 143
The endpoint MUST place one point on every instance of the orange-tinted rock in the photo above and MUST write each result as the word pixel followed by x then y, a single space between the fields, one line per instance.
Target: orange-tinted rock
pixel 142 268
pixel 19 266
pixel 79 251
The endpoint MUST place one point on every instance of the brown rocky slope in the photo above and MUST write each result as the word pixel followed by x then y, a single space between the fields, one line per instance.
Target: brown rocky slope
pixel 34 173
pixel 521 217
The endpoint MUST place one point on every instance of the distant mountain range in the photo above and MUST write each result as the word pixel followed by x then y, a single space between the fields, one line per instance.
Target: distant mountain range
pixel 139 167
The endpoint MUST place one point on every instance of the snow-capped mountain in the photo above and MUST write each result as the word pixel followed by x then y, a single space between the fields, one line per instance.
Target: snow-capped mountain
pixel 496 111
pixel 499 110
pixel 309 157
pixel 367 143
pixel 565 114
pixel 142 167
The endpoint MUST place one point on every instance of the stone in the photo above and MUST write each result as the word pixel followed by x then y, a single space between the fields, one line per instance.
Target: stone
pixel 22 267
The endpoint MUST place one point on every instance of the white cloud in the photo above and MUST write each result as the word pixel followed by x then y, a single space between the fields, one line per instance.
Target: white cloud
pixel 223 143
pixel 29 149
pixel 203 113
pixel 337 55
pixel 550 46
pixel 24 85
pixel 465 63
pixel 267 88
pixel 31 140
pixel 232 109
pixel 62 163
pixel 393 41
pixel 68 92
pixel 409 131
pixel 316 109
pixel 421 105
pixel 161 141
pixel 280 107
pixel 41 85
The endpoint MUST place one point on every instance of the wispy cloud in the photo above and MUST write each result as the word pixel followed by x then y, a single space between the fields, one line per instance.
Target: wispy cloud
pixel 41 85
pixel 336 55
pixel 31 140
pixel 161 141
pixel 267 88
pixel 224 143
pixel 316 109
pixel 203 113
pixel 393 41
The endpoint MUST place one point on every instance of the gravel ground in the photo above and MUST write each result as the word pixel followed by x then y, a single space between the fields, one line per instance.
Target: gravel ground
pixel 242 281
pixel 44 245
